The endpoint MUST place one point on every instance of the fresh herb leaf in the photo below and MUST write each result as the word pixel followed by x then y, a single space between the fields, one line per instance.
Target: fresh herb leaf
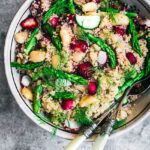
pixel 60 7
pixel 99 87
pixel 119 123
pixel 81 118
pixel 63 95
pixel 62 75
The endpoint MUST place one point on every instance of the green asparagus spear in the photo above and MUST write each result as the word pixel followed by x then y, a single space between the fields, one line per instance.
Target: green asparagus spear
pixel 147 60
pixel 31 43
pixel 58 8
pixel 129 14
pixel 36 99
pixel 147 65
pixel 63 95
pixel 55 38
pixel 26 66
pixel 62 75
pixel 71 7
pixel 129 83
pixel 105 47
pixel 134 39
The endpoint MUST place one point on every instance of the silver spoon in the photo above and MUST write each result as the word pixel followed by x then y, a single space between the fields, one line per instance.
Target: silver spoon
pixel 81 138
pixel 108 127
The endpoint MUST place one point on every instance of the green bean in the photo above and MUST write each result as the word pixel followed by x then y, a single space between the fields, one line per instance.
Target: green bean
pixel 36 99
pixel 55 38
pixel 134 39
pixel 62 75
pixel 63 95
pixel 26 66
pixel 31 43
pixel 105 47
pixel 71 7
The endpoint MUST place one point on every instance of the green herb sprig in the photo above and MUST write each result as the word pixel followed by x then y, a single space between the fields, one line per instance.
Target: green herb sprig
pixel 81 118
pixel 60 7
pixel 63 95
pixel 99 87
pixel 62 75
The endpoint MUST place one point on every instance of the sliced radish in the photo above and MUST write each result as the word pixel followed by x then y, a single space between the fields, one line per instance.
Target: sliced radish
pixel 102 57
pixel 72 124
pixel 26 80
pixel 147 23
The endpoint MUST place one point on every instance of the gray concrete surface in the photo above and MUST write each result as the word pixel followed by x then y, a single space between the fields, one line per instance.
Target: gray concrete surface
pixel 18 132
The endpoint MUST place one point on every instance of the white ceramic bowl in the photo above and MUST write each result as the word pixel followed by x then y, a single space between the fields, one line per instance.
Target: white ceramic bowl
pixel 139 112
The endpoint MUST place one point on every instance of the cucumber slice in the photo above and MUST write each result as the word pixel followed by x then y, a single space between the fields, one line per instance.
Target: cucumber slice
pixel 88 22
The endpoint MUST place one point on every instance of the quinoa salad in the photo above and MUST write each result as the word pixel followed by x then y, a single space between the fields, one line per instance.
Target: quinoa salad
pixel 77 57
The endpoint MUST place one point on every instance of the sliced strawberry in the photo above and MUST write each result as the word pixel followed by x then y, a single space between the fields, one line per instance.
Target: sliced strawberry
pixel 92 88
pixel 54 21
pixel 71 19
pixel 131 58
pixel 29 23
pixel 79 45
pixel 102 58
pixel 85 70
pixel 67 104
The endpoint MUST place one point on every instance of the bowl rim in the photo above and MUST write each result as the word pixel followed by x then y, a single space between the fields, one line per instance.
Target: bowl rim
pixel 18 96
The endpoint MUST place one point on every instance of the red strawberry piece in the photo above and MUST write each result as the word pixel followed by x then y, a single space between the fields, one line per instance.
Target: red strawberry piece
pixel 71 19
pixel 79 45
pixel 84 70
pixel 92 88
pixel 120 31
pixel 67 104
pixel 29 23
pixel 131 58
pixel 54 21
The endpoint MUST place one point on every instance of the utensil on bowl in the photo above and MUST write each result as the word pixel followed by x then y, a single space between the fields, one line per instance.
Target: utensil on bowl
pixel 108 126
pixel 74 144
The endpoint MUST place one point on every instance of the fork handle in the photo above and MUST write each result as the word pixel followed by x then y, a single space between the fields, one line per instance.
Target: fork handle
pixel 104 135
pixel 100 142
pixel 73 145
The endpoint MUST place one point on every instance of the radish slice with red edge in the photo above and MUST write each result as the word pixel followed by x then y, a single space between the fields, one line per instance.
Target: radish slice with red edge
pixel 72 124
pixel 102 57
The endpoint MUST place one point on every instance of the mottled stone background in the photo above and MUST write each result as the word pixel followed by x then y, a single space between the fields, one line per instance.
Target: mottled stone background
pixel 18 132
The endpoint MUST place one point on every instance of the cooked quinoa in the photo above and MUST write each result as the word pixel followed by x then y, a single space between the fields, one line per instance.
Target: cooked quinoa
pixel 67 48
